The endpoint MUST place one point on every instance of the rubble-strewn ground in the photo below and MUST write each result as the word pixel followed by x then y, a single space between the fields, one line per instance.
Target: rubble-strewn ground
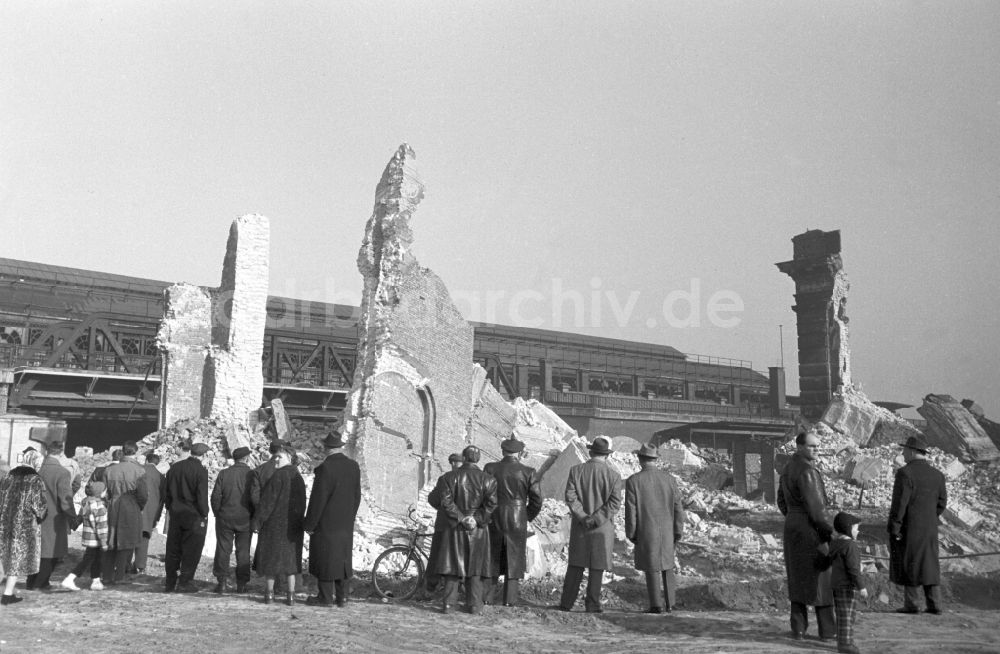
pixel 715 615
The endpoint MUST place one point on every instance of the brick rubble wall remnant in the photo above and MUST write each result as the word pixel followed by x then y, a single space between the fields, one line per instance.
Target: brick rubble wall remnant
pixel 410 401
pixel 821 288
pixel 953 429
pixel 234 378
pixel 183 339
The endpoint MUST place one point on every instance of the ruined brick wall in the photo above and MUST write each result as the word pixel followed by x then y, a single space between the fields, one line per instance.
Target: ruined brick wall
pixel 821 288
pixel 183 339
pixel 234 379
pixel 411 394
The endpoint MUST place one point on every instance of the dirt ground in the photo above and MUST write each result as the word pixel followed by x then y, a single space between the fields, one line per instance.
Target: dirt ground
pixel 717 615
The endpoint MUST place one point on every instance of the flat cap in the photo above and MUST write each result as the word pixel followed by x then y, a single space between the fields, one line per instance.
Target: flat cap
pixel 511 446
pixel 199 449
pixel 241 452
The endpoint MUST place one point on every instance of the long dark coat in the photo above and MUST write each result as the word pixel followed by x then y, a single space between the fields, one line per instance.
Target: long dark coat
pixel 155 494
pixel 61 515
pixel 186 498
pixel 802 500
pixel 654 518
pixel 519 499
pixel 467 491
pixel 594 495
pixel 126 499
pixel 22 509
pixel 231 497
pixel 278 521
pixel 918 498
pixel 440 525
pixel 333 506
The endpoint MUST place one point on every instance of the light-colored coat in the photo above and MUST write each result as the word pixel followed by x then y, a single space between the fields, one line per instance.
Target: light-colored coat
pixel 593 495
pixel 61 516
pixel 654 518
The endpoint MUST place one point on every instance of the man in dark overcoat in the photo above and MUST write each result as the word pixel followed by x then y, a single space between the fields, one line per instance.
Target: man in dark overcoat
pixel 59 520
pixel 126 498
pixel 802 500
pixel 329 521
pixel 156 487
pixel 231 505
pixel 432 579
pixel 919 496
pixel 594 495
pixel 519 499
pixel 654 521
pixel 187 504
pixel 468 497
pixel 259 479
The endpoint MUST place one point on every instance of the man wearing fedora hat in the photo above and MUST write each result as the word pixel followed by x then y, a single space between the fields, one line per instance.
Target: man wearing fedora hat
pixel 654 521
pixel 594 495
pixel 919 496
pixel 519 499
pixel 333 506
pixel 231 506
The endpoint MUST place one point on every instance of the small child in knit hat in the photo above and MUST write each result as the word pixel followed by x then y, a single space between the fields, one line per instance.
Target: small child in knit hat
pixel 846 579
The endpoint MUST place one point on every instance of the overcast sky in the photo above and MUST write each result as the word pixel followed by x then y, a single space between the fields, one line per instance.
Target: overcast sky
pixel 646 163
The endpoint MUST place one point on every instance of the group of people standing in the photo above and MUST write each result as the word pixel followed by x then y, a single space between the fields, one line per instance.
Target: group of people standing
pixel 125 500
pixel 481 529
pixel 823 561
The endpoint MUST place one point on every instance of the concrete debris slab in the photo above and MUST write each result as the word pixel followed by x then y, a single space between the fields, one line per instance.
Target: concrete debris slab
pixel 962 515
pixel 953 429
pixel 862 469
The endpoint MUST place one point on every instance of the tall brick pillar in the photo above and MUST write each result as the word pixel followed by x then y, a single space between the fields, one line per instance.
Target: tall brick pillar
pixel 183 339
pixel 234 376
pixel 820 306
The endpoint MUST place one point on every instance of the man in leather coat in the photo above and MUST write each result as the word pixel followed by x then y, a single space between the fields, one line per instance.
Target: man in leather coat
pixel 468 497
pixel 519 499
pixel 802 500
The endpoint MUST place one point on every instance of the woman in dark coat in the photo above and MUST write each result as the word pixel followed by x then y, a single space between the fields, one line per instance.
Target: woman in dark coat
pixel 278 521
pixel 22 509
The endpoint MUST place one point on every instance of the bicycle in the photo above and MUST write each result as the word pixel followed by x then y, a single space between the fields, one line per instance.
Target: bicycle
pixel 398 572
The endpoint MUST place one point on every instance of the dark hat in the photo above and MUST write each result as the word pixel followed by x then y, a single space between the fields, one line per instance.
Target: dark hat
pixel 601 445
pixel 241 453
pixel 844 521
pixel 915 443
pixel 648 451
pixel 199 449
pixel 454 458
pixel 511 446
pixel 333 440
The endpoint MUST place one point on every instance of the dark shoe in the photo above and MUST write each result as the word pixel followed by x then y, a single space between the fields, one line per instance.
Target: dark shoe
pixel 221 587
pixel 241 588
pixel 316 600
pixel 290 599
pixel 595 610
pixel 655 609
pixel 797 635
pixel 340 603
pixel 169 588
pixel 559 607
pixel 446 608
pixel 933 611
pixel 848 649
pixel 187 588
pixel 9 599
pixel 268 598
pixel 906 609
pixel 132 570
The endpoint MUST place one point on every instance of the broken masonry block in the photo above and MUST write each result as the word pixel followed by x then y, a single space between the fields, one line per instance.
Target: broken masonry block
pixel 963 515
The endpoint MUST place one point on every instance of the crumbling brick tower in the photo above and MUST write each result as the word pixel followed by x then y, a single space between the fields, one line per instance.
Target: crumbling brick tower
pixel 410 399
pixel 820 306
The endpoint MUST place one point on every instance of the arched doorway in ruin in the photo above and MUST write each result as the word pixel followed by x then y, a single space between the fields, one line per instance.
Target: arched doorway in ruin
pixel 398 452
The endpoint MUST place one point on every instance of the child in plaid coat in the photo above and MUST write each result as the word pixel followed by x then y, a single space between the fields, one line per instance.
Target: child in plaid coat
pixel 845 557
pixel 94 516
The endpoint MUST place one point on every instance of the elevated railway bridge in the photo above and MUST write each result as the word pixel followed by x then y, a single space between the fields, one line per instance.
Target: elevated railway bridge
pixel 80 346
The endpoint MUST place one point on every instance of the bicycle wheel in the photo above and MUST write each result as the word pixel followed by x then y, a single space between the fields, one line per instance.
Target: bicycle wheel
pixel 397 573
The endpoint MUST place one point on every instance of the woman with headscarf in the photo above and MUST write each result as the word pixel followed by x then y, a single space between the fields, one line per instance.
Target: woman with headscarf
pixel 278 522
pixel 22 510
